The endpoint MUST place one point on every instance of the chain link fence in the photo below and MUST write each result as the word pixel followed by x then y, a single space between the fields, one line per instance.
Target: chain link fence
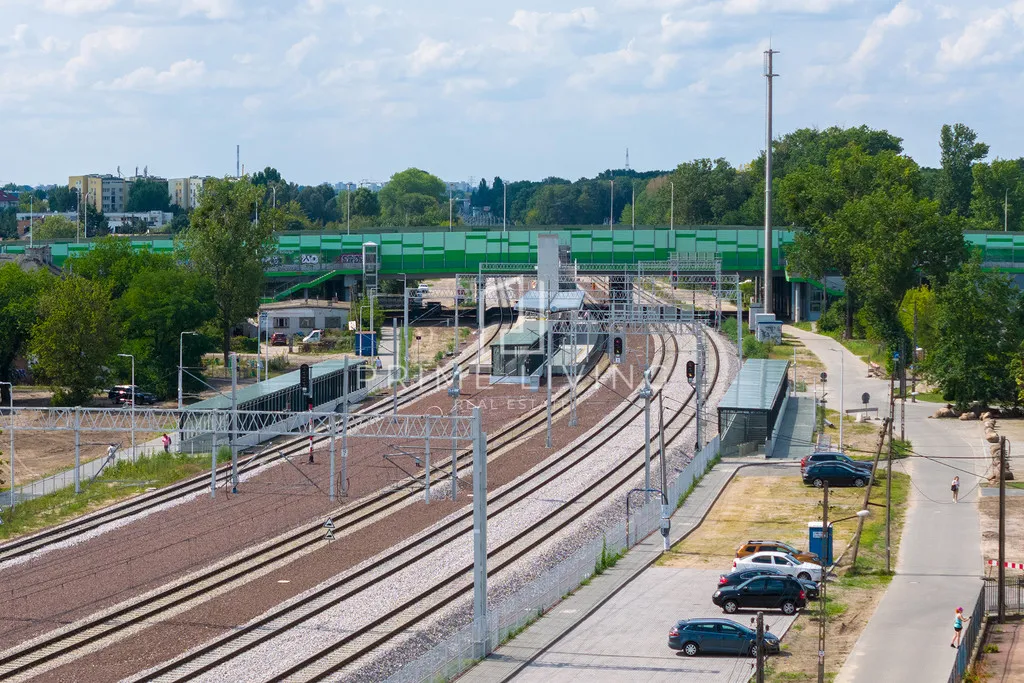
pixel 461 650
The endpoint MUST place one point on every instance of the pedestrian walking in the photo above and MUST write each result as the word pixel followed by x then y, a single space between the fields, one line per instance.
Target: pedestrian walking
pixel 958 626
pixel 166 440
pixel 955 488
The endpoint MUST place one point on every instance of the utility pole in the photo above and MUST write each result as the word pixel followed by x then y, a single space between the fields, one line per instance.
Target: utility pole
pixel 645 393
pixel 888 482
pixel 611 205
pixel 672 206
pixel 867 489
pixel 666 511
pixel 1001 590
pixel 632 207
pixel 504 206
pixel 769 75
pixel 824 586
pixel 1006 210
pixel 913 355
pixel 903 392
pixel 760 648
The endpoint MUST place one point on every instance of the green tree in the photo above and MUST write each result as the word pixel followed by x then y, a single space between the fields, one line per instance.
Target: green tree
pixel 73 339
pixel 226 244
pixel 919 301
pixel 364 203
pixel 155 309
pixel 62 199
pixel 96 222
pixel 30 201
pixel 979 325
pixel 55 228
pixel 998 186
pixel 8 223
pixel 414 197
pixel 147 194
pixel 267 176
pixel 114 262
pixel 318 203
pixel 960 150
pixel 19 298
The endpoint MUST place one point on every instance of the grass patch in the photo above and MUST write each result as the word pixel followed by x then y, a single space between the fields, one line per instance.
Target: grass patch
pixel 607 560
pixel 693 484
pixel 804 325
pixel 931 397
pixel 123 480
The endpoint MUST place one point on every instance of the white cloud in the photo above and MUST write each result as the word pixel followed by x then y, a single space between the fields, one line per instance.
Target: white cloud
pixel 867 52
pixel 52 44
pixel 242 58
pixel 252 103
pixel 972 43
pixel 663 66
pixel 683 30
pixel 183 74
pixel 432 54
pixel 782 6
pixel 297 52
pixel 553 22
pixel 107 42
pixel 76 7
pixel 213 9
pixel 357 69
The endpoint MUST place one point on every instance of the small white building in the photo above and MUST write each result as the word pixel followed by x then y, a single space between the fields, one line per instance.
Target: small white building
pixel 293 317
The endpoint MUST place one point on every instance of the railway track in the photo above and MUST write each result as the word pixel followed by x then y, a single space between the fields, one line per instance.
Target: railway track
pixel 364 640
pixel 79 526
pixel 51 649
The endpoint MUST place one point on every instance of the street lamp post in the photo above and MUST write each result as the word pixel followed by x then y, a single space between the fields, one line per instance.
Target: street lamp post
pixel 128 355
pixel 453 391
pixel 504 204
pixel 842 376
pixel 10 396
pixel 825 535
pixel 348 209
pixel 181 345
pixel 449 207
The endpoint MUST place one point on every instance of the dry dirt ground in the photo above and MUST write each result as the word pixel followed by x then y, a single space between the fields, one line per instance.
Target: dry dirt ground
pixel 1013 430
pixel 779 507
pixel 1004 659
pixel 808 366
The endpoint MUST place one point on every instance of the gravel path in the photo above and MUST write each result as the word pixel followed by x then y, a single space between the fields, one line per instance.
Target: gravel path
pixel 368 472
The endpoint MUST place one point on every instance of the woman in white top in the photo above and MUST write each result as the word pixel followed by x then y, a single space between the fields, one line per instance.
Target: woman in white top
pixel 955 488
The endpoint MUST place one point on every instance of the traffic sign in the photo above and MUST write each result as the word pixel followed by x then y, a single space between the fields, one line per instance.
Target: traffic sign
pixel 263 316
pixel 865 397
pixel 330 535
pixel 824 377
pixel 329 524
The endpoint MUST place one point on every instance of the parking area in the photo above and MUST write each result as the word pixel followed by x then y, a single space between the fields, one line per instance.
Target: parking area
pixel 626 638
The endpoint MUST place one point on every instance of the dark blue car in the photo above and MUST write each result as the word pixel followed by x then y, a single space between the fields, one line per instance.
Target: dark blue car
pixel 718 636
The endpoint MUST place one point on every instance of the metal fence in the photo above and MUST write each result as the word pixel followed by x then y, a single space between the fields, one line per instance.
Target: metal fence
pixel 986 605
pixel 460 651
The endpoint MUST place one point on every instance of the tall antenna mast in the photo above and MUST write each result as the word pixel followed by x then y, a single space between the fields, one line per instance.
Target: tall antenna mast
pixel 769 74
pixel 238 161
pixel 627 158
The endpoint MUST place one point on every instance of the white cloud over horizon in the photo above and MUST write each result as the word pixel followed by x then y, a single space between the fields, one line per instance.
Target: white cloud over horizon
pixel 332 90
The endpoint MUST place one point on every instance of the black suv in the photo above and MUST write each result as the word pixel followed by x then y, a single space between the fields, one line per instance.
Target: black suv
pixel 122 393
pixel 740 575
pixel 763 592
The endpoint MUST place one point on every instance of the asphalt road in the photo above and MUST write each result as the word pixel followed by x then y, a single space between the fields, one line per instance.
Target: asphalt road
pixel 939 563
pixel 626 639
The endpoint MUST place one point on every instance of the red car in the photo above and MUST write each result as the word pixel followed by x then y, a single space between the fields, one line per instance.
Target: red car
pixel 279 339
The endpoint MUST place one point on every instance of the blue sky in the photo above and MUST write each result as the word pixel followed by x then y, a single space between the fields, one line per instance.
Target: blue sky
pixel 331 90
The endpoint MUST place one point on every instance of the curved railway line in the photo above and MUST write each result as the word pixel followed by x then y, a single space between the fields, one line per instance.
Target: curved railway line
pixel 40 653
pixel 79 526
pixel 385 627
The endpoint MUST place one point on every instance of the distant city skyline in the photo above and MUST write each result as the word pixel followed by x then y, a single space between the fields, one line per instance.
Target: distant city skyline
pixel 325 90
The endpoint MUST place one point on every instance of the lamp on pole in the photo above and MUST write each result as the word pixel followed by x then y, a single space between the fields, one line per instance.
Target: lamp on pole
pixel 825 535
pixel 181 345
pixel 842 375
pixel 672 206
pixel 504 204
pixel 348 210
pixel 449 207
pixel 453 391
pixel 10 397
pixel 128 355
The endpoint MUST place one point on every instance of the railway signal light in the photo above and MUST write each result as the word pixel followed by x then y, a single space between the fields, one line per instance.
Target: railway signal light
pixel 675 278
pixel 304 379
pixel 691 370
pixel 618 348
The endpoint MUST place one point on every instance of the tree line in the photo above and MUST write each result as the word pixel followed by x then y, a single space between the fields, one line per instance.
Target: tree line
pixel 72 326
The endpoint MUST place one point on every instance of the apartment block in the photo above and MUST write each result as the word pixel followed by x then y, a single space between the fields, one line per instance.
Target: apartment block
pixel 106 193
pixel 185 192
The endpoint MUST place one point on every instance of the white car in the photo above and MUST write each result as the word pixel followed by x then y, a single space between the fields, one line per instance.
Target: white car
pixel 784 562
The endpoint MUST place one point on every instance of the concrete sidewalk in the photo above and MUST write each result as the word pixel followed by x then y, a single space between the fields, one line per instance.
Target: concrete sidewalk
pixel 512 657
pixel 939 564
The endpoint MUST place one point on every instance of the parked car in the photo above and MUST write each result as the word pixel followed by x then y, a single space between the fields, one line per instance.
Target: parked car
pixel 784 562
pixel 314 336
pixel 279 339
pixel 763 592
pixel 122 394
pixel 830 456
pixel 723 636
pixel 836 474
pixel 738 577
pixel 751 547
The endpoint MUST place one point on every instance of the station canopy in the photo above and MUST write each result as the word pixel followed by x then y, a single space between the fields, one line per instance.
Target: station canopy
pixel 757 387
pixel 289 380
pixel 562 300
